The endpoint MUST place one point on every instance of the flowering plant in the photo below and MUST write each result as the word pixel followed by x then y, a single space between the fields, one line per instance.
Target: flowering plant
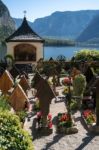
pixel 40 120
pixel 66 81
pixel 89 116
pixel 66 90
pixel 64 120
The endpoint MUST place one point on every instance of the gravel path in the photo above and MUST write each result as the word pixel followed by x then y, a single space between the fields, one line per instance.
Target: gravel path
pixel 80 141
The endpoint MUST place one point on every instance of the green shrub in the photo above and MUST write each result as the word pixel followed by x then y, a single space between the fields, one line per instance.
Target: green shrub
pixel 12 136
pixel 22 115
pixel 4 105
pixel 79 85
pixel 87 55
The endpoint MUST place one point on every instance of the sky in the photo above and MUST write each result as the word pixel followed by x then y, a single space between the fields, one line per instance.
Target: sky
pixel 41 8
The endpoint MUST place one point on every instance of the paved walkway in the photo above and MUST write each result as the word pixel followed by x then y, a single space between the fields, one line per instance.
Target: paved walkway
pixel 80 141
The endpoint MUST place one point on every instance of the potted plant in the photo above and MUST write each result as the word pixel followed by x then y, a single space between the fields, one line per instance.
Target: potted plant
pixel 65 124
pixel 89 117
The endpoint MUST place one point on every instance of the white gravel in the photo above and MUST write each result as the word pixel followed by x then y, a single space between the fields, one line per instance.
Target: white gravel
pixel 80 141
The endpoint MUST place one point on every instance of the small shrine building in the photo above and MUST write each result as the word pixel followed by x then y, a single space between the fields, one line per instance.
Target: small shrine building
pixel 24 45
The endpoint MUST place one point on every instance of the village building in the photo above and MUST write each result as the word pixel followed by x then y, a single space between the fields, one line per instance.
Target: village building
pixel 24 45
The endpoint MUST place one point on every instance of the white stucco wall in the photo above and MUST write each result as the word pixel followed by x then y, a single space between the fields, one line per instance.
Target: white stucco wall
pixel 38 45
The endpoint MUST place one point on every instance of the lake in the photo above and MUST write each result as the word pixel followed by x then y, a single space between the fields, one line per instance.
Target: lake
pixel 67 51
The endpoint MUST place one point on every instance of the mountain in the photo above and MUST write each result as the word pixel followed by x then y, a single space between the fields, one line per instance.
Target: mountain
pixel 68 24
pixel 7 25
pixel 91 33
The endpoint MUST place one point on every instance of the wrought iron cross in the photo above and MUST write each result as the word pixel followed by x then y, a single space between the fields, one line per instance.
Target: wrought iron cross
pixel 24 13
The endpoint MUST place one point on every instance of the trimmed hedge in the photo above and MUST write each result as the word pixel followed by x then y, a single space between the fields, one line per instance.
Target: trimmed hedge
pixel 12 136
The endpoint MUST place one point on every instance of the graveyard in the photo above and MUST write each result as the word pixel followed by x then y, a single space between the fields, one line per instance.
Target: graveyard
pixel 52 106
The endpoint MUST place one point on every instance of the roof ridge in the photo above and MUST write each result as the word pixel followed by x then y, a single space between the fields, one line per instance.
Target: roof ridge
pixel 24 32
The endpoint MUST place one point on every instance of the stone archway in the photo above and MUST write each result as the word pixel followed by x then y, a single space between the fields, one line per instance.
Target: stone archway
pixel 24 52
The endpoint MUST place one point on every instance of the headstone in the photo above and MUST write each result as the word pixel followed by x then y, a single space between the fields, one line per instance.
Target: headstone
pixel 15 72
pixel 18 98
pixel 89 74
pixel 44 93
pixel 6 82
pixel 1 71
pixel 25 74
pixel 97 103
pixel 24 83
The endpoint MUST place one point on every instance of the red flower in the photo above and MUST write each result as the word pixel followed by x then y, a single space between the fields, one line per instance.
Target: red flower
pixel 50 125
pixel 64 117
pixel 49 117
pixel 86 113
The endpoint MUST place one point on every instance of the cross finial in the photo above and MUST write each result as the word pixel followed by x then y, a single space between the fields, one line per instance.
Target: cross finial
pixel 24 13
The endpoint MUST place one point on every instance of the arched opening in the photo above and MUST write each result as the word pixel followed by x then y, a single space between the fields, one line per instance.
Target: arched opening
pixel 25 52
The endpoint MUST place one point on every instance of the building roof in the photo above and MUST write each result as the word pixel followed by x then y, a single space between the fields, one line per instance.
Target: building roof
pixel 24 34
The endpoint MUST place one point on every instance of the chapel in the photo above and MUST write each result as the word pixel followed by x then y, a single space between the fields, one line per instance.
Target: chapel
pixel 25 45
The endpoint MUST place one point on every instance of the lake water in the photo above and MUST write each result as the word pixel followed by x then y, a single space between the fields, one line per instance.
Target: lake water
pixel 68 52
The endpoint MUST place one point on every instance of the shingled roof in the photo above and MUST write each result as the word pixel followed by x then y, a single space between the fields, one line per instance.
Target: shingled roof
pixel 24 34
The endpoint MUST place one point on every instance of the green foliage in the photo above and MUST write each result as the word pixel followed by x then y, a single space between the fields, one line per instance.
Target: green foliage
pixel 22 115
pixel 12 136
pixel 87 55
pixel 48 68
pixel 4 105
pixel 73 105
pixel 9 58
pixel 79 85
pixel 36 106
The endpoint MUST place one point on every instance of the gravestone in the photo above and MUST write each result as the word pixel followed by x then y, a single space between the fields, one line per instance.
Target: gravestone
pixel 18 98
pixel 89 74
pixel 44 93
pixel 1 71
pixel 6 82
pixel 25 74
pixel 97 103
pixel 15 72
pixel 95 128
pixel 24 83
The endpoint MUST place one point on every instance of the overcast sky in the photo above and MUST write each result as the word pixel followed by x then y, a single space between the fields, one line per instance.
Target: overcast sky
pixel 40 8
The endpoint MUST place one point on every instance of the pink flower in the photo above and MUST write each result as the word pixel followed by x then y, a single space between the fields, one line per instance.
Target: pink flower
pixel 49 117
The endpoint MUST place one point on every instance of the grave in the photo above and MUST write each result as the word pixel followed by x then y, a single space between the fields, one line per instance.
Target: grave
pixel 6 82
pixel 45 95
pixel 18 98
pixel 14 71
pixel 24 83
